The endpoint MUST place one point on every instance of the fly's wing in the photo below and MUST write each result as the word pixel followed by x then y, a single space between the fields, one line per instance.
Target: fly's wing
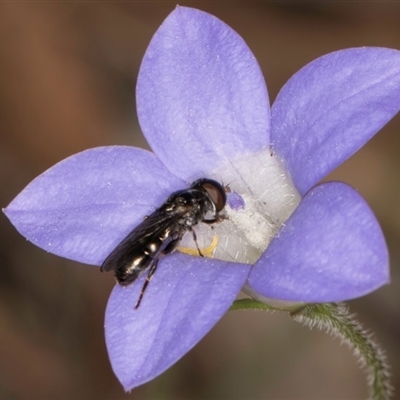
pixel 139 238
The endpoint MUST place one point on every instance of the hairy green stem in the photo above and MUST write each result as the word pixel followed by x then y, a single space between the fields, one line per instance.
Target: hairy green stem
pixel 335 319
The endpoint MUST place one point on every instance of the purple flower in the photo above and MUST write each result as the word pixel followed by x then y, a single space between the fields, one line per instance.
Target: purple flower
pixel 203 107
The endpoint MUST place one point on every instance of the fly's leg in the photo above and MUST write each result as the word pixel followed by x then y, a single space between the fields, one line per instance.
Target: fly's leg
pixel 206 251
pixel 152 270
pixel 195 240
pixel 218 218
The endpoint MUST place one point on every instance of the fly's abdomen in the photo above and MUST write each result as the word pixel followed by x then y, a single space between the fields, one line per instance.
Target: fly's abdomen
pixel 128 273
pixel 137 263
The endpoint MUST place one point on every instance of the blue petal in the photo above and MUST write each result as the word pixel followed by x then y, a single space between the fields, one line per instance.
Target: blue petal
pixel 201 96
pixel 330 249
pixel 185 299
pixel 85 205
pixel 331 108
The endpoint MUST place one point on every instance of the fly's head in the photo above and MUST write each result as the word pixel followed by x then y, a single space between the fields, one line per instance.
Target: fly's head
pixel 214 196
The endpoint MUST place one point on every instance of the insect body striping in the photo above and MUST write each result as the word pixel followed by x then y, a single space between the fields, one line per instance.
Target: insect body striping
pixel 160 233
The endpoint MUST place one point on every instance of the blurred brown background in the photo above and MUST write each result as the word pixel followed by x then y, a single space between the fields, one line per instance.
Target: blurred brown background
pixel 67 80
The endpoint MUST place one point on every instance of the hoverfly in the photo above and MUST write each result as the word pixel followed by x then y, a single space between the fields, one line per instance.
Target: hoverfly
pixel 160 233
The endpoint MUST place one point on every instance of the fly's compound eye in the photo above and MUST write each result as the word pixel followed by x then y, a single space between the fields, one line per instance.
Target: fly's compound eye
pixel 214 190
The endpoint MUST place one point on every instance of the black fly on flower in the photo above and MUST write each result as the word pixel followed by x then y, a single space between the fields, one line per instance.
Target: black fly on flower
pixel 203 107
pixel 161 232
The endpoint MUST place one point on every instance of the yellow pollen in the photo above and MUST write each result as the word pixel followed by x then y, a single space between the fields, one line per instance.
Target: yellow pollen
pixel 206 251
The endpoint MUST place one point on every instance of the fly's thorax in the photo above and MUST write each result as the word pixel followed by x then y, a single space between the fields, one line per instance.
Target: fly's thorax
pixel 186 208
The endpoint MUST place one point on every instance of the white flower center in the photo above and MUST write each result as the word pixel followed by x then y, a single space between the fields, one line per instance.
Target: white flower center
pixel 262 198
